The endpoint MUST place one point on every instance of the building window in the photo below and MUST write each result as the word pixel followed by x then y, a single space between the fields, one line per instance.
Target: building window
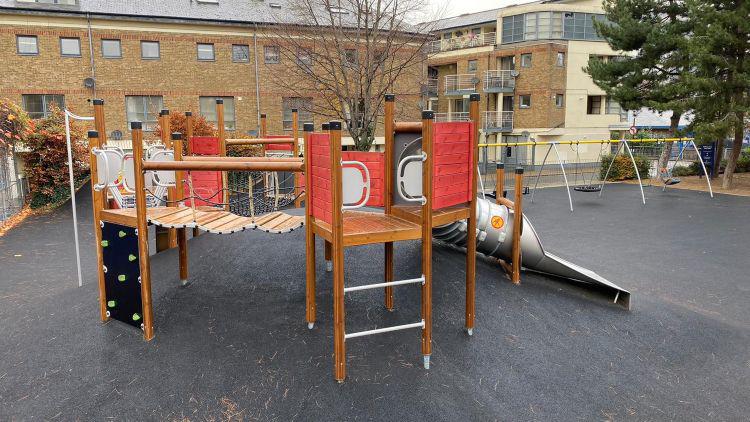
pixel 143 108
pixel 240 53
pixel 560 62
pixel 550 25
pixel 594 104
pixel 524 101
pixel 150 50
pixel 111 49
pixel 351 58
pixel 27 45
pixel 613 107
pixel 206 52
pixel 526 60
pixel 447 35
pixel 508 63
pixel 304 107
pixel 559 100
pixel 580 26
pixel 472 66
pixel 271 54
pixel 208 110
pixel 70 47
pixel 38 105
pixel 304 56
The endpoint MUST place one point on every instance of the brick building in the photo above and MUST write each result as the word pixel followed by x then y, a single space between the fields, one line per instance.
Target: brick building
pixel 142 56
pixel 527 62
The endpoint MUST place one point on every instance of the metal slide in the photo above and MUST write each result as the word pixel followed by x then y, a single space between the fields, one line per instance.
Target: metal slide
pixel 494 239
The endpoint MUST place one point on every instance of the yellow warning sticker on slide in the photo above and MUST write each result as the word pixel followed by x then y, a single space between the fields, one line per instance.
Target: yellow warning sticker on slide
pixel 497 222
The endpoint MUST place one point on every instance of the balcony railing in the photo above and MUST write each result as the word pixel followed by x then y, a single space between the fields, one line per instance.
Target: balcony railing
pixel 499 80
pixel 460 84
pixel 430 88
pixel 458 43
pixel 456 116
pixel 497 121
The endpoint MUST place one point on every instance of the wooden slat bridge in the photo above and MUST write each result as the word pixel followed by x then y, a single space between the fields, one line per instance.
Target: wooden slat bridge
pixel 212 220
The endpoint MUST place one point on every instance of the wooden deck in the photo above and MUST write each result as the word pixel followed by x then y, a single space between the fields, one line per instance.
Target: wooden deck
pixel 212 220
pixel 413 213
pixel 364 228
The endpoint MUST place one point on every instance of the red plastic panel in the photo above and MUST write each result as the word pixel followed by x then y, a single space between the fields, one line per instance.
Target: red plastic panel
pixel 453 163
pixel 279 147
pixel 206 184
pixel 375 163
pixel 204 145
pixel 320 193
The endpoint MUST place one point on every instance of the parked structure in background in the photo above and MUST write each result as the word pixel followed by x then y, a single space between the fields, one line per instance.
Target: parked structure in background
pixel 145 56
pixel 13 188
pixel 528 59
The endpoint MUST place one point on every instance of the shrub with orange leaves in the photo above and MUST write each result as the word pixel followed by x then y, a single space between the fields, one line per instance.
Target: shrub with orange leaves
pixel 15 124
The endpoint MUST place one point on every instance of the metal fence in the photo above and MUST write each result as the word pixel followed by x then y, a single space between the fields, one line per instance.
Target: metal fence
pixel 13 188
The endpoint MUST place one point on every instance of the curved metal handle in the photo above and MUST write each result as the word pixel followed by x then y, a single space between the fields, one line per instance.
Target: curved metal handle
pixel 366 187
pixel 400 171
pixel 155 157
pixel 149 150
pixel 124 173
pixel 100 153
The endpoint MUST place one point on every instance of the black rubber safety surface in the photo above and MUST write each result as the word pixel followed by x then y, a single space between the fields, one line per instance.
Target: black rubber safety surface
pixel 234 345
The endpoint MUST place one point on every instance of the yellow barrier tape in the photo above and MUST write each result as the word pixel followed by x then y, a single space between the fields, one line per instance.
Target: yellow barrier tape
pixel 584 141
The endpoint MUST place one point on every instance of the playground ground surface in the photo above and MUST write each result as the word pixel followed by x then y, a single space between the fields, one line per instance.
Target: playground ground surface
pixel 234 345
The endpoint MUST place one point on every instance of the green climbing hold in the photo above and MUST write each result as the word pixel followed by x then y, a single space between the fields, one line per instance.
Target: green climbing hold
pixel 136 317
pixel 122 234
pixel 111 304
pixel 121 277
pixel 132 257
pixel 105 243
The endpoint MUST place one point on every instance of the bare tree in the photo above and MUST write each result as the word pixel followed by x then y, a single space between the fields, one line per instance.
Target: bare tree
pixel 349 54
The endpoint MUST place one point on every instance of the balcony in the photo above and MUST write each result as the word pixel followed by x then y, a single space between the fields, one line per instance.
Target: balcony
pixel 456 116
pixel 430 88
pixel 499 80
pixel 497 121
pixel 461 84
pixel 459 43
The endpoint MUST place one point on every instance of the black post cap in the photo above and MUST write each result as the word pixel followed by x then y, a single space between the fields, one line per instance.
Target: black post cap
pixel 176 136
pixel 98 101
pixel 294 110
pixel 325 126
pixel 188 113
pixel 428 115
pixel 219 101
pixel 474 97
pixel 263 115
pixel 335 125
pixel 389 98
pixel 308 127
pixel 136 125
pixel 164 112
pixel 93 134
pixel 519 170
pixel 500 166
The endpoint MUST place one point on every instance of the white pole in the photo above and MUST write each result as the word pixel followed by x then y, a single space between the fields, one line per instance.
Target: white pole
pixel 68 115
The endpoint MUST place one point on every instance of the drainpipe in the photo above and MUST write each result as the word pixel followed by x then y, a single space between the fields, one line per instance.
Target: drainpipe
pixel 91 53
pixel 257 81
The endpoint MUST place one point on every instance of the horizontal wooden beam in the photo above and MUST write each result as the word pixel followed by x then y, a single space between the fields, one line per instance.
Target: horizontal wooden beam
pixel 243 159
pixel 407 127
pixel 215 165
pixel 260 141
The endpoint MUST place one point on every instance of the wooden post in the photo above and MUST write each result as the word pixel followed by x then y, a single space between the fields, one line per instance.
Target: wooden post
pixel 263 130
pixel 309 234
pixel 98 203
pixel 166 238
pixel 100 127
pixel 499 182
pixel 295 153
pixel 471 240
pixel 180 193
pixel 427 118
pixel 189 123
pixel 142 226
pixel 388 193
pixel 517 227
pixel 222 149
pixel 337 232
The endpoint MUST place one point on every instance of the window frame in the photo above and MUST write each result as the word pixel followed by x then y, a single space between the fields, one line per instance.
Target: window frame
pixel 476 65
pixel 18 45
pixel 229 124
pixel 270 48
pixel 530 62
pixel 198 51
pixel 521 102
pixel 559 100
pixel 119 47
pixel 148 125
pixel 158 50
pixel 590 100
pixel 309 62
pixel 60 43
pixel 247 49
pixel 290 103
pixel 558 62
pixel 45 104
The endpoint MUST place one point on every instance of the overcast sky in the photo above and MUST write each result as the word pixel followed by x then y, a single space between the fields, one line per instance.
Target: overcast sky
pixel 457 7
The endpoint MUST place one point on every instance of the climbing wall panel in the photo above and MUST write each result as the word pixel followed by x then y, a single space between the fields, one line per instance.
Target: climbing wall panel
pixel 122 273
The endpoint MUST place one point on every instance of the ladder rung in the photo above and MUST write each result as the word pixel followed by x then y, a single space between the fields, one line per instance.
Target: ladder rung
pixel 386 284
pixel 419 324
